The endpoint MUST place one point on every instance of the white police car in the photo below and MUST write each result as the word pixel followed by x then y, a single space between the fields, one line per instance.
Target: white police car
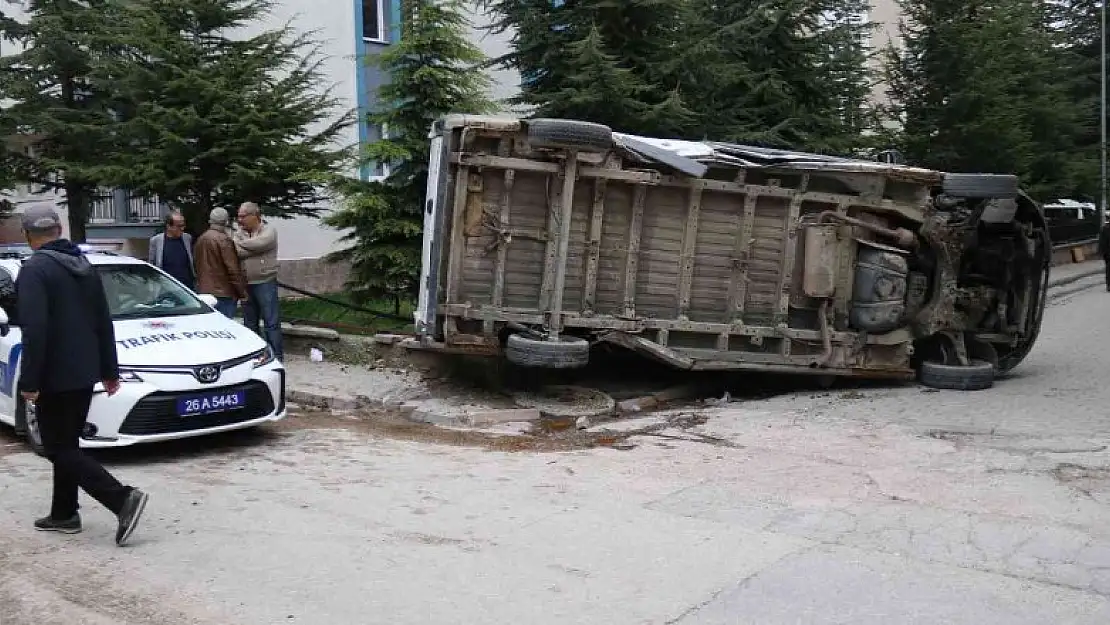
pixel 185 369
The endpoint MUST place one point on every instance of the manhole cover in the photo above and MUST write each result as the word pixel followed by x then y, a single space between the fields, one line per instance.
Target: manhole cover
pixel 566 401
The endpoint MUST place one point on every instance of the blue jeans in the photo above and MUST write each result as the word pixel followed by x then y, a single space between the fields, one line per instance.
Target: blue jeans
pixel 226 306
pixel 263 305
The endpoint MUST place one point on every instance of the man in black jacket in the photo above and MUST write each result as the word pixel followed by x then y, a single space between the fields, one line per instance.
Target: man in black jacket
pixel 68 346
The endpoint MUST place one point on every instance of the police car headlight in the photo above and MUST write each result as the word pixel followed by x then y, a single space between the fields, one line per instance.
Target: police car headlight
pixel 124 376
pixel 263 357
pixel 129 376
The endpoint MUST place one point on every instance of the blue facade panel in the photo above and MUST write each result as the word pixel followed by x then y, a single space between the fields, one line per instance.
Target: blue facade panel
pixel 373 37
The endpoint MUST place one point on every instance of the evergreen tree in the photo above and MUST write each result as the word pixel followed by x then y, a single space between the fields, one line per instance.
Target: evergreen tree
pixel 1078 26
pixel 54 102
pixel 211 120
pixel 432 72
pixel 787 73
pixel 606 61
pixel 782 73
pixel 977 89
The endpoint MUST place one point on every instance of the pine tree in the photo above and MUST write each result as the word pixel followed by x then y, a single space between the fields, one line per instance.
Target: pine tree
pixel 787 73
pixel 54 102
pixel 1078 26
pixel 433 72
pixel 781 73
pixel 977 89
pixel 606 61
pixel 211 120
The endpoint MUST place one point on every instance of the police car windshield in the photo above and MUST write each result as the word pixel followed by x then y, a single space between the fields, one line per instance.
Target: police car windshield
pixel 142 292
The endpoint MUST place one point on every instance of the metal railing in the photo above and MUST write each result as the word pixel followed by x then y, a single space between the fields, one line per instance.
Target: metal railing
pixel 119 206
pixel 346 308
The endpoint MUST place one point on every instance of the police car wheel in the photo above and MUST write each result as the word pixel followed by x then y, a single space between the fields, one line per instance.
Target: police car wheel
pixel 26 415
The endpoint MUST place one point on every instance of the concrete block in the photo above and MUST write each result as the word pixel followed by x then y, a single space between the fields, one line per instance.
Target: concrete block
pixel 637 404
pixel 309 332
pixel 321 400
pixel 508 415
pixel 388 339
pixel 647 402
pixel 304 398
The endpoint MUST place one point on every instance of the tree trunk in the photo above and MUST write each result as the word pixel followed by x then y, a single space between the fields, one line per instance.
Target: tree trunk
pixel 196 215
pixel 77 203
pixel 77 193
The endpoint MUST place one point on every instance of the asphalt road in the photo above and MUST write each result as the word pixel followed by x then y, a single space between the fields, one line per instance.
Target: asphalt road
pixel 860 505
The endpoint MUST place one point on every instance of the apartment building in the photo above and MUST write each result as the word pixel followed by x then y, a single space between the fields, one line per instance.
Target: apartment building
pixel 351 32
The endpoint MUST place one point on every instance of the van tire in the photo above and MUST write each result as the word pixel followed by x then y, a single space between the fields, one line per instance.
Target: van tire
pixel 567 134
pixel 980 186
pixel 977 376
pixel 568 352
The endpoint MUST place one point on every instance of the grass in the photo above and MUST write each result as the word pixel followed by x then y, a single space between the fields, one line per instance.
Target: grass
pixel 311 311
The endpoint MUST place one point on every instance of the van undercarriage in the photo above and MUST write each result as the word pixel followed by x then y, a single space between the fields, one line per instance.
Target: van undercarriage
pixel 543 237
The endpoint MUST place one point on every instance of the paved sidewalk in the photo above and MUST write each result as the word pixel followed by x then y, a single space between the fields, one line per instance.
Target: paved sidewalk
pixel 1063 274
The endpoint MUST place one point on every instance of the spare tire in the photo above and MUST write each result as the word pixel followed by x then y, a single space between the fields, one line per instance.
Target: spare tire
pixel 569 134
pixel 977 376
pixel 980 186
pixel 567 352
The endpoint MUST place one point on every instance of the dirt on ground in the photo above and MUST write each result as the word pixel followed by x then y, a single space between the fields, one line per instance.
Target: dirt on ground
pixel 548 435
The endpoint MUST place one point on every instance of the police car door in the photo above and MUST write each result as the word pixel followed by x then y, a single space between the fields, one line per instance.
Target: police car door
pixel 10 345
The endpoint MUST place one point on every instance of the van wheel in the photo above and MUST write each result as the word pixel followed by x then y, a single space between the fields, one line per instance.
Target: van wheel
pixel 981 186
pixel 26 420
pixel 977 376
pixel 568 134
pixel 567 352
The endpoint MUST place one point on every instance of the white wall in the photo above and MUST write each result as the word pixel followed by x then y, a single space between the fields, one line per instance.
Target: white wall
pixel 506 81
pixel 305 237
pixel 334 24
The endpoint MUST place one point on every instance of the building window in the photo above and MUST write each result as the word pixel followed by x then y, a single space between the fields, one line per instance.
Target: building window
pixel 373 20
pixel 378 171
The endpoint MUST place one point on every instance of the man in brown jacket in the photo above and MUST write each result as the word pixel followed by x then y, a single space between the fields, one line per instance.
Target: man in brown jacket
pixel 218 269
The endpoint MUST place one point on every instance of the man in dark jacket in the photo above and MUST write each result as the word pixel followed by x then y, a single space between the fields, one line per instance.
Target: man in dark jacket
pixel 68 346
pixel 218 271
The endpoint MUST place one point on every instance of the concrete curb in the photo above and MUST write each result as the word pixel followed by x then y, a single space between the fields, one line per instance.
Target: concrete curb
pixel 412 408
pixel 1076 278
pixel 408 407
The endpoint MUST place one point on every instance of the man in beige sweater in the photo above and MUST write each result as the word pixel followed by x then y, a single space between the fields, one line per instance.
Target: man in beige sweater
pixel 256 243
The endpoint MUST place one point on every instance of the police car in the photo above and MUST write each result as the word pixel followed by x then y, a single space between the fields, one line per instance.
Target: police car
pixel 185 369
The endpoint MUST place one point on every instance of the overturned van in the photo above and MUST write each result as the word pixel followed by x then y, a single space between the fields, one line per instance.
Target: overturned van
pixel 543 237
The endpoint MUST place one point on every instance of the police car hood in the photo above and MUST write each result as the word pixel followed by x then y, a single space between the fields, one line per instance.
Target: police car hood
pixel 185 340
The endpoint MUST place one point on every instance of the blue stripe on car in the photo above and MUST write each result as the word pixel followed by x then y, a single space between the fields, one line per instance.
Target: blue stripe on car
pixel 9 370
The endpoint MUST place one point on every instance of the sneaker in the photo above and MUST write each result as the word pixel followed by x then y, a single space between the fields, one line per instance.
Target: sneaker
pixel 71 525
pixel 129 516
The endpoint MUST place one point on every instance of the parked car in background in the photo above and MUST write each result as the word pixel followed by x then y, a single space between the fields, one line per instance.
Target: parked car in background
pixel 1072 222
pixel 186 370
pixel 543 237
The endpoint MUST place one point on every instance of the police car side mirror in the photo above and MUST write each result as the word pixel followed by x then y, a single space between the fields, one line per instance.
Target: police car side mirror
pixel 208 299
pixel 5 326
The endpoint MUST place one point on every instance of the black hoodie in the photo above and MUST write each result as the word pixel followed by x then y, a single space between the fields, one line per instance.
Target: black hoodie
pixel 69 342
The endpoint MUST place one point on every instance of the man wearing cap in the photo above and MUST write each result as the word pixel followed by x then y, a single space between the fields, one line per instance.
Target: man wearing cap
pixel 218 270
pixel 69 345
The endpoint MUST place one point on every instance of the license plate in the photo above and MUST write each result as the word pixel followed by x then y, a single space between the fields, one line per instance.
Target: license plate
pixel 212 402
